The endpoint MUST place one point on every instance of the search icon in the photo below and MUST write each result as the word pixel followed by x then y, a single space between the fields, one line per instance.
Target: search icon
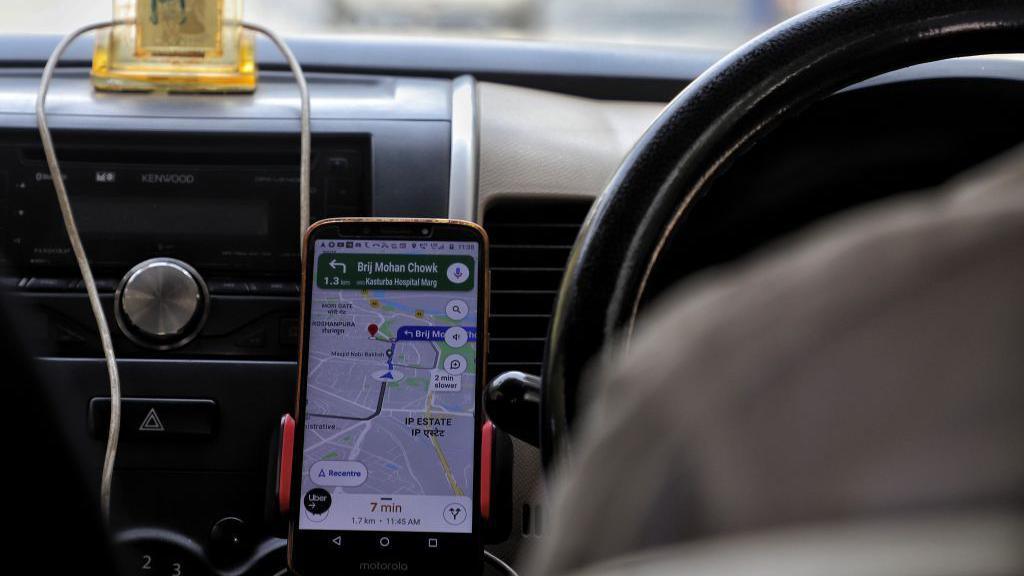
pixel 457 309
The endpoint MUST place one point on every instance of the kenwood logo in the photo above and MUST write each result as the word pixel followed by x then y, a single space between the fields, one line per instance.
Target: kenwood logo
pixel 383 567
pixel 168 178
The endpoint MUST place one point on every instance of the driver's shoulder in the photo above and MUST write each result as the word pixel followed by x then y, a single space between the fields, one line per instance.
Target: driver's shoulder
pixel 911 306
pixel 838 275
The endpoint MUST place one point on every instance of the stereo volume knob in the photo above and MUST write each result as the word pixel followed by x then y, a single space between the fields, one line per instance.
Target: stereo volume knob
pixel 161 303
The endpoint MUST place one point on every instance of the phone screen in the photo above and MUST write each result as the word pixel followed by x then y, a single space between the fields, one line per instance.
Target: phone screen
pixel 391 373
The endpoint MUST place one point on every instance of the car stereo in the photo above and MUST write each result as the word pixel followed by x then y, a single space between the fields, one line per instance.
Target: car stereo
pixel 223 206
pixel 193 239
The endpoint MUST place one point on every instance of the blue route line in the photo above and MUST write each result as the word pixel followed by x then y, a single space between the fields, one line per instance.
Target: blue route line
pixel 421 334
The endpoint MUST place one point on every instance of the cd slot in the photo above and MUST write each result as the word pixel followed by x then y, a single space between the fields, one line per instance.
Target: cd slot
pixel 165 157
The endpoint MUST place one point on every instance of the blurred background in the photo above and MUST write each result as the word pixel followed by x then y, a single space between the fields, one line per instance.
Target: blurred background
pixel 713 24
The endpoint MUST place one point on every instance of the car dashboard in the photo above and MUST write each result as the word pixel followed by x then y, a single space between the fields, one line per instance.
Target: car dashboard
pixel 483 131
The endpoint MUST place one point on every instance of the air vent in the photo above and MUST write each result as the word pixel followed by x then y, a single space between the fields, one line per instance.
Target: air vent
pixel 530 244
pixel 532 520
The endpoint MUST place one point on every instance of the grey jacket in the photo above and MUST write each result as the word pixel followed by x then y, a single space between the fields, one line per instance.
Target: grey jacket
pixel 870 368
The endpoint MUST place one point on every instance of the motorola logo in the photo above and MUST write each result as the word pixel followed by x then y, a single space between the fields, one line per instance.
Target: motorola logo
pixel 378 566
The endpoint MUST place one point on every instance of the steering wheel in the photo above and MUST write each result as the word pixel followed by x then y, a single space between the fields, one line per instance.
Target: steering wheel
pixel 722 113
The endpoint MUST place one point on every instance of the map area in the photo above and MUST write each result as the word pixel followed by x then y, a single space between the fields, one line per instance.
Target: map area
pixel 391 387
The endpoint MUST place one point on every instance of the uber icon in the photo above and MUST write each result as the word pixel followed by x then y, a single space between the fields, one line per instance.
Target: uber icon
pixel 317 502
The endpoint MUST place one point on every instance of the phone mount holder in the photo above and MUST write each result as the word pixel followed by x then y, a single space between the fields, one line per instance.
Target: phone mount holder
pixel 496 469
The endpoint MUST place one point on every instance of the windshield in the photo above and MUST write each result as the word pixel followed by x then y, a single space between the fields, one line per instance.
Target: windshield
pixel 716 24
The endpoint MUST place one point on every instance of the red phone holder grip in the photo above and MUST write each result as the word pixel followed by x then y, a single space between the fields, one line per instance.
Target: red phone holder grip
pixel 486 469
pixel 284 464
pixel 495 466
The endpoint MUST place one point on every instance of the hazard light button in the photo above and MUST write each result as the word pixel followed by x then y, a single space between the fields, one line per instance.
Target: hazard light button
pixel 156 418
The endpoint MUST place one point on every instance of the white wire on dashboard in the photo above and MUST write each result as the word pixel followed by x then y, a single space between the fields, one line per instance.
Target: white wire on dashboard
pixel 499 564
pixel 81 258
pixel 307 137
pixel 83 265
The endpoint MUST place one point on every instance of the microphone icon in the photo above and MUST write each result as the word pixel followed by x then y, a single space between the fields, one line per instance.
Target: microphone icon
pixel 458 273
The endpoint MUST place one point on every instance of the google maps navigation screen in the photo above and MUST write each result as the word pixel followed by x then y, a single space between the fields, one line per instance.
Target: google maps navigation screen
pixel 391 387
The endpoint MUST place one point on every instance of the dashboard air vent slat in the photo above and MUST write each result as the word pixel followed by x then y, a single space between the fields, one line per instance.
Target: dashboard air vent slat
pixel 530 244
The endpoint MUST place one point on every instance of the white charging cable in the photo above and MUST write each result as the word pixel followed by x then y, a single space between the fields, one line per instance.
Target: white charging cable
pixel 306 137
pixel 499 564
pixel 106 342
pixel 83 265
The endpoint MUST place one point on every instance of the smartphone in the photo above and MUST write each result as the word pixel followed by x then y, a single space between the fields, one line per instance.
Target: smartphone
pixel 386 471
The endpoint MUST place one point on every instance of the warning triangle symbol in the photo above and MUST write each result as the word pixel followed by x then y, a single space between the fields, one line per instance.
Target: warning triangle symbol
pixel 152 423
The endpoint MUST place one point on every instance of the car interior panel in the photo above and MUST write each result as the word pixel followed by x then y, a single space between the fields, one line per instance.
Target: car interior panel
pixel 743 293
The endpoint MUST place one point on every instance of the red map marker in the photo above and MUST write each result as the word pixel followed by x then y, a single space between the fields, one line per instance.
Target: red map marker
pixel 372 329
